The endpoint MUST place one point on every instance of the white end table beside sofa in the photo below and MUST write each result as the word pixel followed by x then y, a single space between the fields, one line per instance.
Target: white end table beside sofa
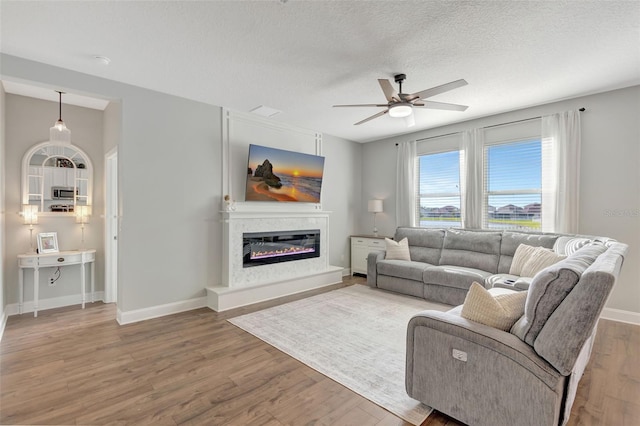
pixel 36 261
pixel 361 246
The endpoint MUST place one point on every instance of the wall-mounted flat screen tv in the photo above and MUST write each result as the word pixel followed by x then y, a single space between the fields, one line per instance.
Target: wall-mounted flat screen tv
pixel 279 175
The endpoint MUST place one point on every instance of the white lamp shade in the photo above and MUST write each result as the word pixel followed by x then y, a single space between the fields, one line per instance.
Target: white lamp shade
pixel 82 214
pixel 60 133
pixel 30 214
pixel 375 206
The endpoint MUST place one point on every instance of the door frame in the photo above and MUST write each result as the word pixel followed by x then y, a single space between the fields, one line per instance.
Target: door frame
pixel 111 226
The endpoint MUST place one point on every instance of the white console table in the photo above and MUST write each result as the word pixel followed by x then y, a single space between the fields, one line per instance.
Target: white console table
pixel 53 260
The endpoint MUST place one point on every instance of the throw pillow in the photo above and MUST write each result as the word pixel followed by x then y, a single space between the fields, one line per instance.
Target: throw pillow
pixel 520 257
pixel 397 250
pixel 500 311
pixel 540 259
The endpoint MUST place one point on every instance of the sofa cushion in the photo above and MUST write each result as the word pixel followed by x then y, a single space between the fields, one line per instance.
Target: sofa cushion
pixel 549 288
pixel 520 258
pixel 453 276
pixel 402 269
pixel 500 311
pixel 511 240
pixel 398 250
pixel 425 245
pixel 540 258
pixel 471 249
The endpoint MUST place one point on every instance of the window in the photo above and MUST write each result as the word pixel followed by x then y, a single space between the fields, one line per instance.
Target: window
pixel 513 185
pixel 439 190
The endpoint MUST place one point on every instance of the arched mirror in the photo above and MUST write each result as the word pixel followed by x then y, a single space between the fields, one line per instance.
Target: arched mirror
pixel 57 177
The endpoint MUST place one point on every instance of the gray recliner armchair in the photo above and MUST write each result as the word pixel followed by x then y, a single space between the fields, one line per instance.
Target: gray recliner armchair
pixel 528 376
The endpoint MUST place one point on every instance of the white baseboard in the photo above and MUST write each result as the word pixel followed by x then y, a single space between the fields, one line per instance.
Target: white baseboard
pixel 346 272
pixel 53 302
pixel 225 298
pixel 137 315
pixel 621 316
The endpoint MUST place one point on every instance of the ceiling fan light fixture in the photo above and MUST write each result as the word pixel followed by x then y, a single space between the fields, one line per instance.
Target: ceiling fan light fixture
pixel 400 110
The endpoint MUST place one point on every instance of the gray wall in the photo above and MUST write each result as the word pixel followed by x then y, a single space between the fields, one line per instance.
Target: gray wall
pixel 169 171
pixel 609 184
pixel 341 186
pixel 27 123
pixel 170 179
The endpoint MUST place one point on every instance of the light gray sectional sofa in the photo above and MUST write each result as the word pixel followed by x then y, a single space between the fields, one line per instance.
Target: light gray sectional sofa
pixel 482 375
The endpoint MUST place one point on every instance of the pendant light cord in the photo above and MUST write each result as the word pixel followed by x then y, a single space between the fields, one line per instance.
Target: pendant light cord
pixel 60 104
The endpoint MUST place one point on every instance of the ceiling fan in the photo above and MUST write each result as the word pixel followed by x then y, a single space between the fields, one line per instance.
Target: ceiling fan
pixel 401 104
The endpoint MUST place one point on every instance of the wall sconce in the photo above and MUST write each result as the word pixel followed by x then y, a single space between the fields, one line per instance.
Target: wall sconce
pixel 82 217
pixel 375 207
pixel 30 217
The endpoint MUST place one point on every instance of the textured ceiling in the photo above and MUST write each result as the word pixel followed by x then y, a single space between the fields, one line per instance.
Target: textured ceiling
pixel 302 57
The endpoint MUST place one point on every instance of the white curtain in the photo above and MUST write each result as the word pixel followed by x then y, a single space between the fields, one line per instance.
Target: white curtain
pixel 560 171
pixel 471 178
pixel 406 206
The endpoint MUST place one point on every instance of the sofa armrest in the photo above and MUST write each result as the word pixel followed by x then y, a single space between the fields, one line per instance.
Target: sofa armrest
pixel 372 269
pixel 478 374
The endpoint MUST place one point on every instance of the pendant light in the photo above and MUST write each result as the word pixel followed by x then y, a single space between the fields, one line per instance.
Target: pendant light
pixel 59 131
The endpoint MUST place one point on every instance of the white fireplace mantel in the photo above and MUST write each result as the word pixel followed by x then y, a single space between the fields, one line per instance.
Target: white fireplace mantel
pixel 240 286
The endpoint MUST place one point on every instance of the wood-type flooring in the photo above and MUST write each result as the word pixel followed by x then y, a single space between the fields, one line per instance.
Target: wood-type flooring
pixel 74 366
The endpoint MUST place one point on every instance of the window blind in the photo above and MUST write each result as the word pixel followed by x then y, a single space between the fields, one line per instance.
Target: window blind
pixel 439 189
pixel 513 185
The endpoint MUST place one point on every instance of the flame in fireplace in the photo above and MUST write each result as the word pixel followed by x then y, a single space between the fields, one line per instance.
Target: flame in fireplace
pixel 281 252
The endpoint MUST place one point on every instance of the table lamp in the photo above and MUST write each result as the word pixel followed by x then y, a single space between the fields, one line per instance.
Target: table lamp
pixel 82 217
pixel 375 207
pixel 30 217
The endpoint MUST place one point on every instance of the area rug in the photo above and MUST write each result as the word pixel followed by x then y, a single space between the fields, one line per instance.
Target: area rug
pixel 355 335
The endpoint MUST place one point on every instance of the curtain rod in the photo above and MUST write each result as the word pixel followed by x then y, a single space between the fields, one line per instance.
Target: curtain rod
pixel 487 127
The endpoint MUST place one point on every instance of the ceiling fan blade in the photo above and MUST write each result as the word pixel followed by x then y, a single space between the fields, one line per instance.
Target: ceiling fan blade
pixel 381 113
pixel 363 105
pixel 440 105
pixel 437 90
pixel 389 92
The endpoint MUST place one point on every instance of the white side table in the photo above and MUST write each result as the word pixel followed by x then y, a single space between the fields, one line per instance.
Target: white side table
pixel 49 260
pixel 361 246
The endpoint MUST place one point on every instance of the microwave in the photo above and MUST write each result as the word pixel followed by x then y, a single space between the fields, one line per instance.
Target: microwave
pixel 63 193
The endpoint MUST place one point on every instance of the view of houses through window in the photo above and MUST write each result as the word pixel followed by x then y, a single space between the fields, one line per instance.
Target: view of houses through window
pixel 512 187
pixel 439 190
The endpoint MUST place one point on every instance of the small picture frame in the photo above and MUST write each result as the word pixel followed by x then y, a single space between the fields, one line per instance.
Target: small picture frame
pixel 48 242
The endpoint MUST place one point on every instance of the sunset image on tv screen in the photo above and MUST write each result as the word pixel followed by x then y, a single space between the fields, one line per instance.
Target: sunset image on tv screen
pixel 279 175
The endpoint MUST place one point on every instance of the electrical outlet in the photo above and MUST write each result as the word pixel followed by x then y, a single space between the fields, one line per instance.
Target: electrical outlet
pixel 460 355
pixel 52 282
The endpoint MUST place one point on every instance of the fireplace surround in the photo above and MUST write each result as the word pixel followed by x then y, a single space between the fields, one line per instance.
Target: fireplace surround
pixel 240 285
